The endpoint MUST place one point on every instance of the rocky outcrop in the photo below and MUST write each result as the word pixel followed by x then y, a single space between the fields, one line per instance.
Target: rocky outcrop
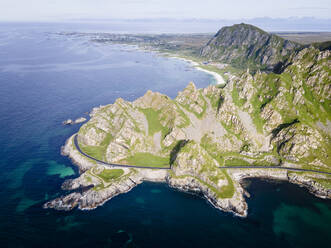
pixel 235 205
pixel 312 185
pixel 91 189
pixel 80 120
pixel 68 122
pixel 93 197
pixel 71 122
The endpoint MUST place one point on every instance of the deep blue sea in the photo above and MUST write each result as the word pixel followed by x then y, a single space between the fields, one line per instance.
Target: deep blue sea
pixel 46 78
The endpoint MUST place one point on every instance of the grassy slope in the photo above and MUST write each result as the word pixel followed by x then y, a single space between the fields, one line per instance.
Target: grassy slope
pixel 147 159
pixel 154 124
pixel 226 191
pixel 98 152
pixel 110 174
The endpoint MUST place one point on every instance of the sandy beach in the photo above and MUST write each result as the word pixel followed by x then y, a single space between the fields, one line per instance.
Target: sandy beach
pixel 218 78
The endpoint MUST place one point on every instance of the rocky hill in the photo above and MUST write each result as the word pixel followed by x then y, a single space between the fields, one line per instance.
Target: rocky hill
pixel 245 45
pixel 265 119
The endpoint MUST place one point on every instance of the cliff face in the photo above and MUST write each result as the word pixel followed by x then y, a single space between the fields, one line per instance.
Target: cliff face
pixel 244 45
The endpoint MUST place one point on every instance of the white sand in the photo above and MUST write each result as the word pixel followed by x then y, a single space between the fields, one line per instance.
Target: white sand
pixel 218 78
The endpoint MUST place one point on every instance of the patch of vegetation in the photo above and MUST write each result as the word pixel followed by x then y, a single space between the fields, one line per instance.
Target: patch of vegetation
pixel 113 177
pixel 235 97
pixel 212 149
pixel 154 124
pixel 88 178
pixel 204 107
pixel 267 86
pixel 323 153
pixel 183 115
pixel 110 174
pixel 233 161
pixel 98 152
pixel 227 191
pixel 74 148
pixel 323 181
pixel 286 78
pixel 216 100
pixel 147 159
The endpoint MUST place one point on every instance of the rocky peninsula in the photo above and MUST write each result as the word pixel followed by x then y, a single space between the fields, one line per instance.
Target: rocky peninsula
pixel 277 120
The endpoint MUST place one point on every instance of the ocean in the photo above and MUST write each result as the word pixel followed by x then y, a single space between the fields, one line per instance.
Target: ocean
pixel 47 77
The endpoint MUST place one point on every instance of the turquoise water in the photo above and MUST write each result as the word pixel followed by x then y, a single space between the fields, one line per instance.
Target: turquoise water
pixel 46 78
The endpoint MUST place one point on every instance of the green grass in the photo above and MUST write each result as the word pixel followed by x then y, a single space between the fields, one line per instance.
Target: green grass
pixel 98 152
pixel 183 115
pixel 228 190
pixel 153 119
pixel 324 182
pixel 74 148
pixel 88 178
pixel 110 174
pixel 204 107
pixel 208 144
pixel 148 160
pixel 236 162
pixel 235 97
pixel 216 101
pixel 267 86
pixel 225 192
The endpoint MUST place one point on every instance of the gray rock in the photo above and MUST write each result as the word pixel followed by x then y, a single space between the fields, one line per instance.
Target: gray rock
pixel 68 122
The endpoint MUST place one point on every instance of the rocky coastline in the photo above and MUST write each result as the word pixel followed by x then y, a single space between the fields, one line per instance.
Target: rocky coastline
pixel 84 196
pixel 254 120
pixel 88 197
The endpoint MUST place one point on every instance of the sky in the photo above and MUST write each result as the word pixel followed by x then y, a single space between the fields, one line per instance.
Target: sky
pixel 62 10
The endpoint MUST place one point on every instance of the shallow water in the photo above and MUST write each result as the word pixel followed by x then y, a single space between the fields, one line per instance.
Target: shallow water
pixel 46 78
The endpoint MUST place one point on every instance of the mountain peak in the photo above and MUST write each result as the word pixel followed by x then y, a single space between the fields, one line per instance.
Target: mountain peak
pixel 244 45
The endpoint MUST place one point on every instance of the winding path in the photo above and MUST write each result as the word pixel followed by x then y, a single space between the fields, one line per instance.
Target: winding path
pixel 169 167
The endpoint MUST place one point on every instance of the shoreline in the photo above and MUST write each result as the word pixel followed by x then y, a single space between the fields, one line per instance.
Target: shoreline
pixel 217 77
pixel 183 177
pixel 237 205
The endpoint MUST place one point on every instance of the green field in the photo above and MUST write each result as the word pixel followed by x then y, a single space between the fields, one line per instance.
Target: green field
pixel 148 160
pixel 110 174
pixel 152 117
